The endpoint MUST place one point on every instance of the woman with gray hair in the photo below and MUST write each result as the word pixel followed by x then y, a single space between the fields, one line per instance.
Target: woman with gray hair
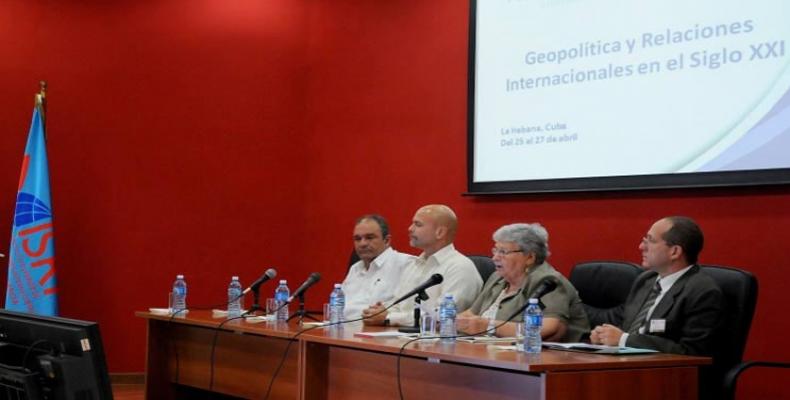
pixel 519 253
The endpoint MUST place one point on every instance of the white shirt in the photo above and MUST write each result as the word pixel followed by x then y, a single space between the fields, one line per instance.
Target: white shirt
pixel 665 283
pixel 490 314
pixel 364 287
pixel 461 279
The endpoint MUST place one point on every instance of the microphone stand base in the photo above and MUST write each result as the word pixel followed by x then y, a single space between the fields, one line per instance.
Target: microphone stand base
pixel 301 313
pixel 409 329
pixel 304 315
pixel 251 312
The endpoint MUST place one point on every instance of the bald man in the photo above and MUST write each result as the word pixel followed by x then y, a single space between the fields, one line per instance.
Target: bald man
pixel 432 230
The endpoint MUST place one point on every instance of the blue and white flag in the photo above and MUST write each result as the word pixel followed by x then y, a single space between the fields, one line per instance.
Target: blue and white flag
pixel 31 265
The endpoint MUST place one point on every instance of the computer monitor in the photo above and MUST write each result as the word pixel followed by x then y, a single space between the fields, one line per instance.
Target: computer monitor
pixel 51 358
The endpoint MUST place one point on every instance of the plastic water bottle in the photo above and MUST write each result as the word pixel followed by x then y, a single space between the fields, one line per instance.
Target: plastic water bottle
pixel 337 304
pixel 533 322
pixel 281 295
pixel 447 313
pixel 234 298
pixel 179 295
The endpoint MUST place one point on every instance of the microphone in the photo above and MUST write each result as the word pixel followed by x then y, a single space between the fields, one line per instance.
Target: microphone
pixel 310 281
pixel 269 274
pixel 544 288
pixel 434 280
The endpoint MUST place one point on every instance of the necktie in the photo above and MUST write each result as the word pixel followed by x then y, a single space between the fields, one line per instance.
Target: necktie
pixel 642 314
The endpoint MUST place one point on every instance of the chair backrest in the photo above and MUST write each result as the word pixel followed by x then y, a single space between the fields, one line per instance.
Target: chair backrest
pixel 485 266
pixel 603 285
pixel 352 259
pixel 740 294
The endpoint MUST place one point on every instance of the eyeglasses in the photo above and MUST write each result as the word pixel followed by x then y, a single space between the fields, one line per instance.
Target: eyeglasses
pixel 650 240
pixel 500 252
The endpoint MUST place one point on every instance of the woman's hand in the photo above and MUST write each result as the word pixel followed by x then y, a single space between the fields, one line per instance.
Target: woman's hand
pixel 471 324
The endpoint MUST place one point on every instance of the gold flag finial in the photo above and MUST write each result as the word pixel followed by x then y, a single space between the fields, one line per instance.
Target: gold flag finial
pixel 41 96
pixel 41 99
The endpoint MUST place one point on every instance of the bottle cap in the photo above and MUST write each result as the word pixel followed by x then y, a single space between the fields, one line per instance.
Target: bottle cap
pixel 234 278
pixel 448 296
pixel 283 282
pixel 338 285
pixel 179 276
pixel 533 301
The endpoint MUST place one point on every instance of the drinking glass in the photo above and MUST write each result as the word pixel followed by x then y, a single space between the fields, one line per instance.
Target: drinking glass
pixel 520 331
pixel 271 306
pixel 427 324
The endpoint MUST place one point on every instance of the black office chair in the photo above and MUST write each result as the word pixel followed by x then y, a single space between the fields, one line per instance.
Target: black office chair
pixel 352 259
pixel 603 286
pixel 731 377
pixel 740 296
pixel 485 266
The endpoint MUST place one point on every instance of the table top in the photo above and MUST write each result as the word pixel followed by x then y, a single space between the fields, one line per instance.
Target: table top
pixel 490 355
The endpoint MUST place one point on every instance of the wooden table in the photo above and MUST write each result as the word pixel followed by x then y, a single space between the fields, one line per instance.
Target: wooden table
pixel 178 362
pixel 329 363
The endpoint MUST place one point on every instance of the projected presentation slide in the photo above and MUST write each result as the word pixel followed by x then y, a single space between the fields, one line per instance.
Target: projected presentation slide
pixel 606 88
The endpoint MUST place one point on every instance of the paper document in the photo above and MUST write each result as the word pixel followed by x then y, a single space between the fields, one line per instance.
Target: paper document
pixel 382 334
pixel 215 313
pixel 595 348
pixel 311 324
pixel 166 311
pixel 254 319
pixel 489 339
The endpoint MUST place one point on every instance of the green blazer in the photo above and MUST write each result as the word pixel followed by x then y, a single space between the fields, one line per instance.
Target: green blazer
pixel 562 303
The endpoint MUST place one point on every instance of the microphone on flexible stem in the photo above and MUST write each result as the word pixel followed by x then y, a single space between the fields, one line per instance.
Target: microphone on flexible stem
pixel 310 281
pixel 301 313
pixel 269 274
pixel 545 287
pixel 434 280
pixel 256 294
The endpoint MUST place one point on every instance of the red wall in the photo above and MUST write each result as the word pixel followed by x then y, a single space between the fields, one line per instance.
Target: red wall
pixel 174 147
pixel 221 138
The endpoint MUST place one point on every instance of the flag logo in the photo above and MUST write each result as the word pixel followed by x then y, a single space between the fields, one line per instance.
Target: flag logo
pixel 30 209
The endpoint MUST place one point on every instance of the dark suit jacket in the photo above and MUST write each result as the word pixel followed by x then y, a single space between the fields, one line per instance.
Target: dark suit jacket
pixel 692 310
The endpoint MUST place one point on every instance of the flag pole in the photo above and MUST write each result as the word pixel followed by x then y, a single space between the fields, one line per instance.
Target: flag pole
pixel 41 102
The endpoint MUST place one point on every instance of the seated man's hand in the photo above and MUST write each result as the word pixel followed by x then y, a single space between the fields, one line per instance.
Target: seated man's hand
pixel 379 317
pixel 606 334
pixel 472 324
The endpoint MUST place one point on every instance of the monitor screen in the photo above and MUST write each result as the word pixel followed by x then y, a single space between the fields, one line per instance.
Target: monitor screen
pixel 51 358
pixel 609 94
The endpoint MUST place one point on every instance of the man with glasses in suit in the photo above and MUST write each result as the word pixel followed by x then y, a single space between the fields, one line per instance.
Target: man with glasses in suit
pixel 672 307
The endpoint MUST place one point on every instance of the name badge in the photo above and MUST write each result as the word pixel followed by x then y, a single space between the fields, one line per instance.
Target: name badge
pixel 657 325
